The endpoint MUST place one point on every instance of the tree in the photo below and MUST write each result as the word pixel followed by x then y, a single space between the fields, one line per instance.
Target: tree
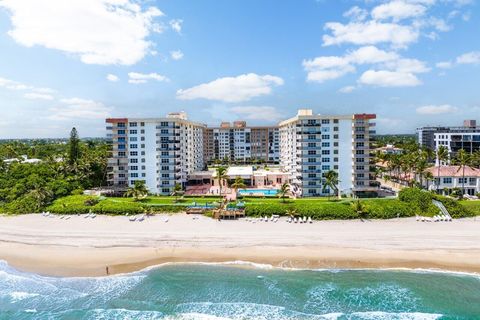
pixel 177 191
pixel 284 189
pixel 138 191
pixel 463 159
pixel 360 208
pixel 442 156
pixel 73 147
pixel 331 181
pixel 221 176
pixel 428 177
pixel 238 184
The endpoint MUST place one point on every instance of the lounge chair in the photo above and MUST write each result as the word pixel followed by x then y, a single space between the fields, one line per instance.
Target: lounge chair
pixel 132 219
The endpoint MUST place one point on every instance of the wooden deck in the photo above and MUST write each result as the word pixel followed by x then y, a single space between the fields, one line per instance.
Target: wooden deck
pixel 228 214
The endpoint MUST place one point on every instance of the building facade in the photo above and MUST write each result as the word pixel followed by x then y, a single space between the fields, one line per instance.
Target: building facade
pixel 466 137
pixel 240 143
pixel 449 178
pixel 166 151
pixel 161 152
pixel 311 145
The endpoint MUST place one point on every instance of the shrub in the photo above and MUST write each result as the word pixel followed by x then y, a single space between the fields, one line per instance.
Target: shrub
pixel 420 199
pixel 71 205
pixel 110 207
pixel 455 207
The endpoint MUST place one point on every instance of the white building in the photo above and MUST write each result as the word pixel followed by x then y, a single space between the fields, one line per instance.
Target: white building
pixel 466 137
pixel 161 151
pixel 453 177
pixel 311 145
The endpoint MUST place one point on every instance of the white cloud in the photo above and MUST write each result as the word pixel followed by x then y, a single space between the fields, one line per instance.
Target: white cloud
pixel 407 66
pixel 444 65
pixel 370 55
pixel 38 96
pixel 176 55
pixel 469 58
pixel 137 78
pixel 398 10
pixel 347 89
pixel 176 25
pixel 385 78
pixel 112 77
pixel 436 109
pixel 77 108
pixel 264 113
pixel 232 89
pixel 98 31
pixel 356 14
pixel 326 68
pixel 370 32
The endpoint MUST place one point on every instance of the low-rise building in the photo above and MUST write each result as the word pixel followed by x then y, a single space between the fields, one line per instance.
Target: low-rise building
pixel 449 178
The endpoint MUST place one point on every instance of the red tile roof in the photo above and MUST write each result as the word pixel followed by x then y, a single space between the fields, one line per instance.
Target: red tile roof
pixel 454 171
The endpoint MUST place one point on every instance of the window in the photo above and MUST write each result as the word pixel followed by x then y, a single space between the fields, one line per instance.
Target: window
pixel 310 152
pixel 325 136
pixel 133 131
pixel 133 153
pixel 142 124
pixel 133 139
pixel 121 131
pixel 325 167
pixel 312 144
pixel 325 121
pixel 312 168
pixel 325 159
pixel 447 180
pixel 134 168
pixel 462 180
pixel 325 152
pixel 121 147
pixel 472 181
pixel 133 175
pixel 142 131
pixel 133 124
pixel 133 160
pixel 122 154
pixel 121 125
pixel 121 139
pixel 325 144
pixel 133 146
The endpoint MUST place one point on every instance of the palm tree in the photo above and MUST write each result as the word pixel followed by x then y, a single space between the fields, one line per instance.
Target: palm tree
pixel 360 209
pixel 42 196
pixel 138 191
pixel 177 191
pixel 331 181
pixel 428 177
pixel 284 189
pixel 238 184
pixel 442 156
pixel 463 159
pixel 221 176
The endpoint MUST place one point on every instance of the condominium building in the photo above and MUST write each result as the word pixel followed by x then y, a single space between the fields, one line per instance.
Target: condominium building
pixel 466 137
pixel 311 145
pixel 161 151
pixel 166 151
pixel 238 142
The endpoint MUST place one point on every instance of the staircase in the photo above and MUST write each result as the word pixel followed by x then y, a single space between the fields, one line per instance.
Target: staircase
pixel 442 208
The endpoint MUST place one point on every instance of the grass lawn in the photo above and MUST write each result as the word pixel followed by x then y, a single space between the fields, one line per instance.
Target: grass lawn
pixel 472 205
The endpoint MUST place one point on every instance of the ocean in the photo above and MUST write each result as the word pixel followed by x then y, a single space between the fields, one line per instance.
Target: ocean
pixel 243 291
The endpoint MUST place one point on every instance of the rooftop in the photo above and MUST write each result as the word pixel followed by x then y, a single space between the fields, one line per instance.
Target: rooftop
pixel 454 171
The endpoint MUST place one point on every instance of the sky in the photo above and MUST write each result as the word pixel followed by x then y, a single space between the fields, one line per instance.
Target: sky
pixel 77 62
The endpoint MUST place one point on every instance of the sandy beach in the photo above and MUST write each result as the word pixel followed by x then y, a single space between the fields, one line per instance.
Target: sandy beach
pixel 85 247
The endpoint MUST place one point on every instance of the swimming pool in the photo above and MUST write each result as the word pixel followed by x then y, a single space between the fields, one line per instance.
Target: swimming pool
pixel 264 192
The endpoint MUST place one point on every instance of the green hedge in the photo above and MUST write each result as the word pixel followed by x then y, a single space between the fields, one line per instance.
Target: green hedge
pixel 455 207
pixel 318 211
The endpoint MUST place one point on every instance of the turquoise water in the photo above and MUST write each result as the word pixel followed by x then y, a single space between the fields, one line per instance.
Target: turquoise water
pixel 227 292
pixel 265 192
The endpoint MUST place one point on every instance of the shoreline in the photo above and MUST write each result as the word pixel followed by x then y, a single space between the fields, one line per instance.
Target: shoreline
pixel 84 247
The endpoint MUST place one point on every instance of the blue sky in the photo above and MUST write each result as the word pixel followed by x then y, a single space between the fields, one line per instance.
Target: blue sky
pixel 73 63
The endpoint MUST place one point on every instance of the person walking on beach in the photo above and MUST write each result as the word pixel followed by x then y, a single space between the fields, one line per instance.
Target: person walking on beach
pixel 106 270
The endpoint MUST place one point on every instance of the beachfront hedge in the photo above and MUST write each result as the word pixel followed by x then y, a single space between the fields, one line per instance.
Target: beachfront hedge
pixel 322 210
pixel 455 207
